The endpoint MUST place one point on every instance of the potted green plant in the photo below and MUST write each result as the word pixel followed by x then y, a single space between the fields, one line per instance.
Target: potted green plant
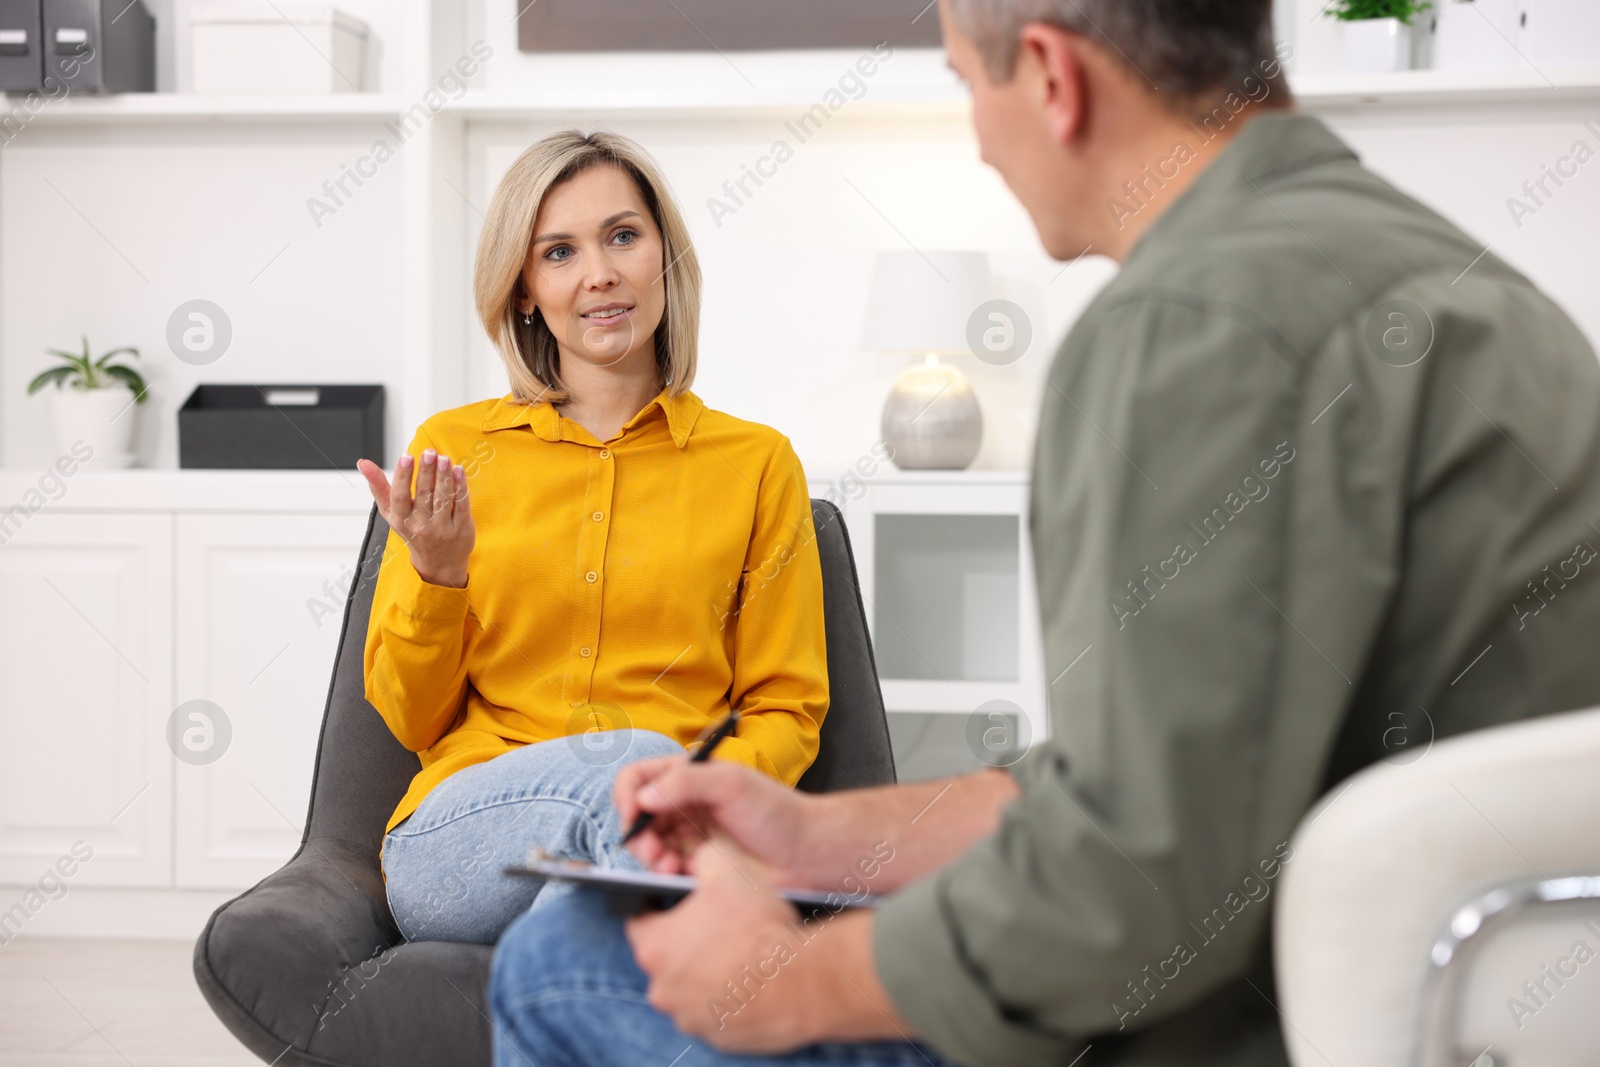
pixel 1377 33
pixel 89 400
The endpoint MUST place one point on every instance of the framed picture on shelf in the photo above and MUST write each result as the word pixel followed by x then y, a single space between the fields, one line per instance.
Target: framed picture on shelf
pixel 724 25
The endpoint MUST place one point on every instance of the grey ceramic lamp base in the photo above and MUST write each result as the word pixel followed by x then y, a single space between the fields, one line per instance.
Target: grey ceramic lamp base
pixel 931 419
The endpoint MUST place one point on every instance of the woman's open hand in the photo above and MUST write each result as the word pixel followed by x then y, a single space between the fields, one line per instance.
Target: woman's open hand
pixel 436 525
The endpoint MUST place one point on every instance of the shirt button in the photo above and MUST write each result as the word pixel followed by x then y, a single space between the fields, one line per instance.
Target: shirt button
pixel 605 453
pixel 577 703
pixel 591 576
pixel 584 652
pixel 599 515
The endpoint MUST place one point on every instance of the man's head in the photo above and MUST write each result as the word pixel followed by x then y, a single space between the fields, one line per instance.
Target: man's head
pixel 1073 98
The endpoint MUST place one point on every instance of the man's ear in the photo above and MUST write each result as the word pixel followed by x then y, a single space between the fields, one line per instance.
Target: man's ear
pixel 1050 58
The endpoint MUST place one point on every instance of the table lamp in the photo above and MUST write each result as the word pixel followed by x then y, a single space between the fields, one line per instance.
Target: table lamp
pixel 920 304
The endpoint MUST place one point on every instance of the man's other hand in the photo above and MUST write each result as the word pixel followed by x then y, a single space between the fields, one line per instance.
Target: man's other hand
pixel 734 965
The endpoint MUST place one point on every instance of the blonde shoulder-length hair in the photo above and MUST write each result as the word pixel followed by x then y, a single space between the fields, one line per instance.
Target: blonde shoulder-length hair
pixel 529 351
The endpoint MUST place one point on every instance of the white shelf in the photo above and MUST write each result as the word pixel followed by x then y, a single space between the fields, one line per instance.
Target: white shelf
pixel 1317 92
pixel 188 108
pixel 698 101
pixel 951 698
pixel 938 101
pixel 895 476
pixel 694 101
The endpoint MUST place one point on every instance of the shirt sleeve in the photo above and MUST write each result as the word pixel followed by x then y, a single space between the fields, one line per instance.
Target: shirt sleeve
pixel 419 636
pixel 1192 544
pixel 780 666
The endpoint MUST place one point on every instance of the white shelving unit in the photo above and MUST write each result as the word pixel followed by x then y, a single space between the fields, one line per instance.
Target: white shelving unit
pixel 428 36
pixel 946 574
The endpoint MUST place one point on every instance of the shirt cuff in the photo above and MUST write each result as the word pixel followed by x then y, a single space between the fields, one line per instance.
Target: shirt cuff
pixel 932 985
pixel 738 750
pixel 424 600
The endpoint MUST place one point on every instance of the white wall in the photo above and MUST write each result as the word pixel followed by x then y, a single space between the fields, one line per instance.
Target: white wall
pixel 1467 163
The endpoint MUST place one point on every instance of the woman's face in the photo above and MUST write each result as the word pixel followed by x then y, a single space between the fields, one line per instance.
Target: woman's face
pixel 595 269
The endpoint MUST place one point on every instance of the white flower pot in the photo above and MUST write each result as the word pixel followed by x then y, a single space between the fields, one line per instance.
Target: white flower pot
pixel 1376 46
pixel 103 419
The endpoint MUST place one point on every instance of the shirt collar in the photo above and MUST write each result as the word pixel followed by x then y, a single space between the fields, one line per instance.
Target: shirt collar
pixel 1268 149
pixel 681 412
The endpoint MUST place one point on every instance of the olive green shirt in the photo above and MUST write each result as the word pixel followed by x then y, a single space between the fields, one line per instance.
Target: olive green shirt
pixel 1316 482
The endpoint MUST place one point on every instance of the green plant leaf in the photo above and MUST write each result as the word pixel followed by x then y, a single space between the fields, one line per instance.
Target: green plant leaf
pixel 127 374
pixel 75 367
pixel 53 375
pixel 75 362
pixel 103 360
pixel 91 380
pixel 1361 10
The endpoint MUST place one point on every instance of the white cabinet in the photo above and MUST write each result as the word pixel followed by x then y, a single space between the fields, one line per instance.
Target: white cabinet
pixel 947 582
pixel 260 599
pixel 128 598
pixel 85 685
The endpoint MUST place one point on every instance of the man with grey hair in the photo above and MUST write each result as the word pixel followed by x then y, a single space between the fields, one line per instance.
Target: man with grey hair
pixel 1313 484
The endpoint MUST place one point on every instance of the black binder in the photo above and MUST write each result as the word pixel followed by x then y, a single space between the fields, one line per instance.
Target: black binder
pixel 21 68
pixel 97 46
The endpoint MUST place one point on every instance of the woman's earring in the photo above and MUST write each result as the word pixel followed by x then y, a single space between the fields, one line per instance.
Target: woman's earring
pixel 527 318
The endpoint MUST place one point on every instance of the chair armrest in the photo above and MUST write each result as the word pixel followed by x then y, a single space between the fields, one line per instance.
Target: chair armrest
pixel 299 929
pixel 1550 910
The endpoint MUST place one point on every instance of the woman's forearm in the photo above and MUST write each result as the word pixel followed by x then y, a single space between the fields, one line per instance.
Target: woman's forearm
pixel 417 700
pixel 416 654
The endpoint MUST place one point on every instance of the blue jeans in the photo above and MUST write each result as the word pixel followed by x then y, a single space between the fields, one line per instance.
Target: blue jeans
pixel 444 865
pixel 565 992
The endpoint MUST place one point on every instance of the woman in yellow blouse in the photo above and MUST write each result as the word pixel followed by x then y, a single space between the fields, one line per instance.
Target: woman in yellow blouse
pixel 588 571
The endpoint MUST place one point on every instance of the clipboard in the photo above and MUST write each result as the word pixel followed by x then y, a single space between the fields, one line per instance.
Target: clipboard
pixel 635 892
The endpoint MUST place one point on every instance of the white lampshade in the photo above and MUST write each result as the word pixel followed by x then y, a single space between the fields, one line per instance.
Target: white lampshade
pixel 920 302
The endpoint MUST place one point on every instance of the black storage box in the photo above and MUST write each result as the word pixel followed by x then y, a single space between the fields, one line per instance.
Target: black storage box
pixel 281 427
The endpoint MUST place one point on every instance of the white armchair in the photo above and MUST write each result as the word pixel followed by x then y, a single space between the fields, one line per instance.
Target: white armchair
pixel 1447 911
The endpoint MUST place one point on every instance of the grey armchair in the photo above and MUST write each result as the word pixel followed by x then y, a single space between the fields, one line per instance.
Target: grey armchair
pixel 308 968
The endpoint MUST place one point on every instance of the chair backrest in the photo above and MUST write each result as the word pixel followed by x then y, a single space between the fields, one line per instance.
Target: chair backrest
pixel 362 771
pixel 854 747
pixel 1405 927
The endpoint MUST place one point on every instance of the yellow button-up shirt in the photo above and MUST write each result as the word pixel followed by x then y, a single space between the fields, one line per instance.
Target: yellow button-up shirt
pixel 651 581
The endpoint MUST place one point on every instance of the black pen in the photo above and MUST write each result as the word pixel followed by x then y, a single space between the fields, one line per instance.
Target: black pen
pixel 724 729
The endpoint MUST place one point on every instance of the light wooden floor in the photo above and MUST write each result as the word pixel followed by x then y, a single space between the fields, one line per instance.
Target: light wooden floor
pixel 72 1003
